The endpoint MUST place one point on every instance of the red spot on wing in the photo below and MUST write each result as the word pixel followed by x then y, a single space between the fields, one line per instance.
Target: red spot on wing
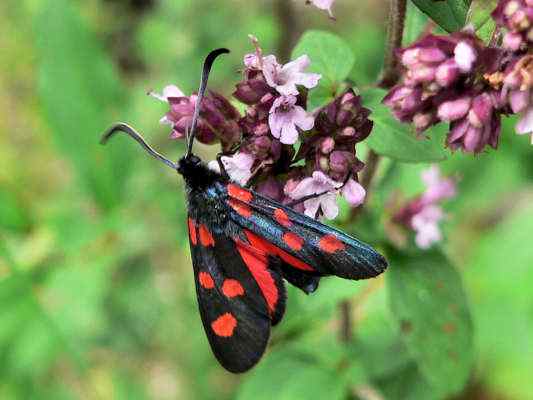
pixel 192 231
pixel 241 208
pixel 295 262
pixel 257 262
pixel 330 244
pixel 294 241
pixel 232 288
pixel 224 325
pixel 272 249
pixel 239 193
pixel 206 281
pixel 282 218
pixel 206 239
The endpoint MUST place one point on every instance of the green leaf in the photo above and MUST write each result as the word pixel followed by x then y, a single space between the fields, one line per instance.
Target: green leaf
pixel 78 88
pixel 14 214
pixel 331 57
pixel 415 23
pixel 429 304
pixel 499 278
pixel 318 306
pixel 407 383
pixel 449 14
pixel 293 374
pixel 479 16
pixel 396 140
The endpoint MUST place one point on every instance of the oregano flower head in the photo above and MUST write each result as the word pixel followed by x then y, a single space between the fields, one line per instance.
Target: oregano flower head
pixel 280 147
pixel 459 80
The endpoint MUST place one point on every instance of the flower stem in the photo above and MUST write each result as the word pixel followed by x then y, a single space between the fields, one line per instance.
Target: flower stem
pixel 389 77
pixel 396 24
pixel 289 28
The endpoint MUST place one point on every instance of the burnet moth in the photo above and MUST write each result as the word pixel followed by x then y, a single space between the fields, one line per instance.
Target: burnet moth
pixel 245 245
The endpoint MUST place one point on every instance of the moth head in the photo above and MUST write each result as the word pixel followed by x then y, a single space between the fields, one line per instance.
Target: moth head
pixel 188 164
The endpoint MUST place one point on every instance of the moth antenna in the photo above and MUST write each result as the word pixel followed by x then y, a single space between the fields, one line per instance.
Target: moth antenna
pixel 203 84
pixel 128 130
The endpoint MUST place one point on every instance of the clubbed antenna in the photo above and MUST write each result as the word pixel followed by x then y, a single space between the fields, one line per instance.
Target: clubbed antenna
pixel 203 84
pixel 128 130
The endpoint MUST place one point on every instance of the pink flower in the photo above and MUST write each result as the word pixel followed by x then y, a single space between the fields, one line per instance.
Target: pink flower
pixel 323 5
pixel 218 118
pixel 271 188
pixel 465 56
pixel 353 192
pixel 437 187
pixel 168 91
pixel 518 88
pixel 238 166
pixel 285 116
pixel 316 184
pixel 284 78
pixel 423 213
pixel 426 226
pixel 320 183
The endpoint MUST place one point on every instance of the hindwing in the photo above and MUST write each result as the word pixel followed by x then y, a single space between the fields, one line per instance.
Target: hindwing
pixel 240 294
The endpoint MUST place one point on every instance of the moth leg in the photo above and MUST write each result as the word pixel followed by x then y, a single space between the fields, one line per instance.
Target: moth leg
pixel 255 174
pixel 223 171
pixel 312 196
pixel 301 200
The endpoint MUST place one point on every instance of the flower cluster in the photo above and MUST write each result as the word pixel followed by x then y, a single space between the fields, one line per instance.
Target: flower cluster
pixel 459 80
pixel 280 148
pixel 423 214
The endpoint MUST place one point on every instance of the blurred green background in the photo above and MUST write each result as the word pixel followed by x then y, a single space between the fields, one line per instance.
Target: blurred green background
pixel 96 290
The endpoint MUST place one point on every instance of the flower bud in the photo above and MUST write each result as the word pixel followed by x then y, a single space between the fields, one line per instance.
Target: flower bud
pixel 327 145
pixel 271 188
pixel 344 118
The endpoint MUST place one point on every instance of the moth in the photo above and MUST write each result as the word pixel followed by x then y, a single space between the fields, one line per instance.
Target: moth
pixel 244 246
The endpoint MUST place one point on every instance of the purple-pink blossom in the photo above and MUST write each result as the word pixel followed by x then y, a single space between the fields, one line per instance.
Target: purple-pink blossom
pixel 238 166
pixel 285 117
pixel 275 145
pixel 446 79
pixel 326 203
pixel 218 118
pixel 285 78
pixel 517 17
pixel 423 214
pixel 426 226
pixel 517 87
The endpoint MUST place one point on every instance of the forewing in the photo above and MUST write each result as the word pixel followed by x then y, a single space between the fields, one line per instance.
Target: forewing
pixel 301 242
pixel 232 305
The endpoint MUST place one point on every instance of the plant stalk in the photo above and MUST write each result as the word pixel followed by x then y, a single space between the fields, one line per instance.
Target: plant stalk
pixel 389 77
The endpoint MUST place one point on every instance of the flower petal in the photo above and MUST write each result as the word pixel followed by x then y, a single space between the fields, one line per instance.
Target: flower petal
pixel 311 207
pixel 354 193
pixel 303 119
pixel 525 125
pixel 328 204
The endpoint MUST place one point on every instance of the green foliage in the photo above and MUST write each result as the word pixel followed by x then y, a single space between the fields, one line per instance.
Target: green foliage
pixel 479 16
pixel 96 290
pixel 13 214
pixel 448 14
pixel 415 23
pixel 299 372
pixel 322 47
pixel 500 277
pixel 429 304
pixel 396 140
pixel 74 71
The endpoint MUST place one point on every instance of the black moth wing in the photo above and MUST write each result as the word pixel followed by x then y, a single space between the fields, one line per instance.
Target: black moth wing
pixel 310 247
pixel 233 309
